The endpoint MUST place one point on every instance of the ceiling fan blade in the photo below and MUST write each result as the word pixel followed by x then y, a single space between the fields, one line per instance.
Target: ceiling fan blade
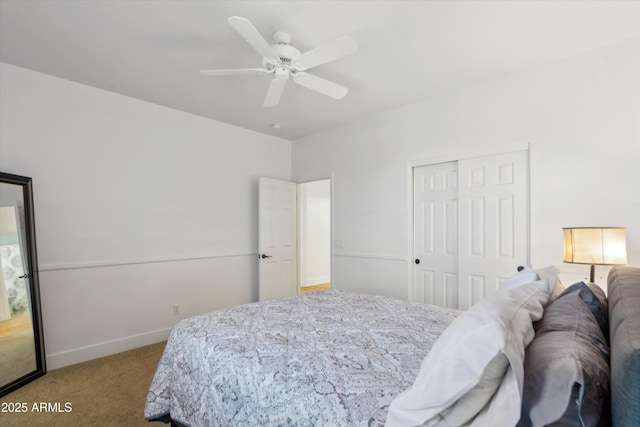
pixel 328 52
pixel 320 85
pixel 236 72
pixel 253 37
pixel 275 92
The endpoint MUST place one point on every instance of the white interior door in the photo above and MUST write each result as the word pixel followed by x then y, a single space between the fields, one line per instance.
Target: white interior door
pixel 493 223
pixel 277 224
pixel 435 218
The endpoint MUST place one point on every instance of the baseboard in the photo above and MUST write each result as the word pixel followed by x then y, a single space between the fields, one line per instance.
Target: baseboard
pixel 83 354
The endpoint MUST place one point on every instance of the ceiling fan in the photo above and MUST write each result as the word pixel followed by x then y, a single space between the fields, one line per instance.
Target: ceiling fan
pixel 285 61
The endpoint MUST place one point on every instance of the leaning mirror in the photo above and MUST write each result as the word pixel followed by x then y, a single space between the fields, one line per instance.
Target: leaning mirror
pixel 22 357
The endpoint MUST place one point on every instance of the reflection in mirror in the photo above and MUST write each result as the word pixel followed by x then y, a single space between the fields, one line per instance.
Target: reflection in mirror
pixel 17 347
pixel 21 342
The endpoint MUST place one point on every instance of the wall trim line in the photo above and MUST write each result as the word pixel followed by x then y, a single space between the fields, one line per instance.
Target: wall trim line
pixel 386 257
pixel 117 263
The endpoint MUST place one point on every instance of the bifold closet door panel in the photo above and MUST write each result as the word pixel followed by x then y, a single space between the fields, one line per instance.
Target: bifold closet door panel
pixel 493 223
pixel 435 217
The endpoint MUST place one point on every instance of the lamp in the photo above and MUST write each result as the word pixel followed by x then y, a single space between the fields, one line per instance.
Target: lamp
pixel 595 245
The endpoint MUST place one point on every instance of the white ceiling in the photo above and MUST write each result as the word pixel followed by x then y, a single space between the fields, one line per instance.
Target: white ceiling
pixel 408 50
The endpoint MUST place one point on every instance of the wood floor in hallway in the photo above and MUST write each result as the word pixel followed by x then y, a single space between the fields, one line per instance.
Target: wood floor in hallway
pixel 314 288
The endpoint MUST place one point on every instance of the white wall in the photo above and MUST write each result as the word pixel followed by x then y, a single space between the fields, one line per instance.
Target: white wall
pixel 138 207
pixel 581 117
pixel 314 262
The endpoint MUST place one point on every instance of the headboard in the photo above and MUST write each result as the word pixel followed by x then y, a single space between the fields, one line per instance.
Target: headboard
pixel 624 327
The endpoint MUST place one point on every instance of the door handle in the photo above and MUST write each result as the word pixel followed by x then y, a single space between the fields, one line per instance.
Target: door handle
pixel 417 261
pixel 263 256
pixel 24 276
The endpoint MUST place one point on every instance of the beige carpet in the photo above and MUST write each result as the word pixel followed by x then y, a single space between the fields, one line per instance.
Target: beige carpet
pixel 110 391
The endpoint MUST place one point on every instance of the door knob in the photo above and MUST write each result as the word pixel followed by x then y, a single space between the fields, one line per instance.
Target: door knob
pixel 417 261
pixel 263 256
pixel 24 276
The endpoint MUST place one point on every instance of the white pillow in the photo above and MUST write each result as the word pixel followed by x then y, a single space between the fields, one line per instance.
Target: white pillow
pixel 481 352
pixel 522 277
pixel 550 274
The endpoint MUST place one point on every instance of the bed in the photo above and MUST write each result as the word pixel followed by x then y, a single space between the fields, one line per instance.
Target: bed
pixel 334 358
pixel 328 358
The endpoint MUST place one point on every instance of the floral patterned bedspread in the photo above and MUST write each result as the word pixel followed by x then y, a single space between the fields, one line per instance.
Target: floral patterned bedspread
pixel 326 358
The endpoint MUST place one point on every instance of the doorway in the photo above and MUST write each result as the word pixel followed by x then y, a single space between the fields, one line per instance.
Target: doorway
pixel 314 236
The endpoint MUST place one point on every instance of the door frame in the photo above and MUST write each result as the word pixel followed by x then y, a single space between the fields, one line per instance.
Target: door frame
pixel 320 177
pixel 454 157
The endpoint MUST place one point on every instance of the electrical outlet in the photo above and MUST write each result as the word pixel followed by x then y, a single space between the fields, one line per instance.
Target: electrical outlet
pixel 176 309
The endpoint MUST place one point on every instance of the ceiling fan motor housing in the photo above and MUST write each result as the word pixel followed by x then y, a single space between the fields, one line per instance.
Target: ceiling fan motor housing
pixel 281 37
pixel 286 53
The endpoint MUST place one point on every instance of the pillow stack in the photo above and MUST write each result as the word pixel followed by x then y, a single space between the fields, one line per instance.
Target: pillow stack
pixel 567 364
pixel 474 373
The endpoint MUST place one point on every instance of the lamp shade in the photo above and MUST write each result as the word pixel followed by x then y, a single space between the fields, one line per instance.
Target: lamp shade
pixel 595 245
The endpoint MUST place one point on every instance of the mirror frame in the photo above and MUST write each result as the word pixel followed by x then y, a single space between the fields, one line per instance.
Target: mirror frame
pixel 34 284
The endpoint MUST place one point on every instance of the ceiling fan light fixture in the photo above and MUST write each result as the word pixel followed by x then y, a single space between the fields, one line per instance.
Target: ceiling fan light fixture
pixel 282 73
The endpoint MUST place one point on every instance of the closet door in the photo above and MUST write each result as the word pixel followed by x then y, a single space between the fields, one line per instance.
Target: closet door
pixel 435 224
pixel 470 227
pixel 493 223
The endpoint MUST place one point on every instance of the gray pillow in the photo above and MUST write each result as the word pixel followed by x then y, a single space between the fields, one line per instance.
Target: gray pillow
pixel 596 300
pixel 566 368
